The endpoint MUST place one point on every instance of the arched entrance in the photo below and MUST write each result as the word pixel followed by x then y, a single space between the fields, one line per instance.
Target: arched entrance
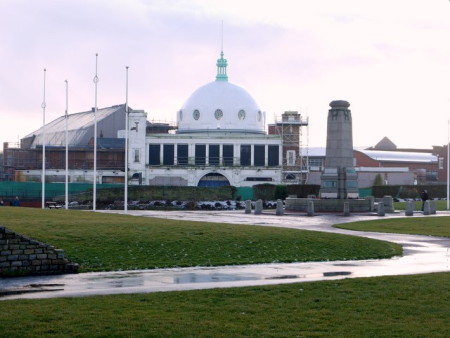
pixel 213 180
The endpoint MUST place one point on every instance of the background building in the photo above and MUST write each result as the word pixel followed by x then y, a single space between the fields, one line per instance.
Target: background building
pixel 219 139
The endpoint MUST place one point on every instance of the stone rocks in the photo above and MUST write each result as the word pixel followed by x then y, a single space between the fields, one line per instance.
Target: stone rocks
pixel 20 255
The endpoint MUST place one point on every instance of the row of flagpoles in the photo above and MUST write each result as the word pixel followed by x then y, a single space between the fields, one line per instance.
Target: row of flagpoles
pixel 94 195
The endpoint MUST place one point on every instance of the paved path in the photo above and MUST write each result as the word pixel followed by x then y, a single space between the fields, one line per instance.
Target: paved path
pixel 422 254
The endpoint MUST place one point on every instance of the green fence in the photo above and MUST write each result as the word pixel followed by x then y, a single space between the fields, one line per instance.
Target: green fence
pixel 364 192
pixel 29 191
pixel 245 193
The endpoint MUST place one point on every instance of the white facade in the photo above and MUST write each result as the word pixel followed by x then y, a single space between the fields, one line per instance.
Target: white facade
pixel 220 140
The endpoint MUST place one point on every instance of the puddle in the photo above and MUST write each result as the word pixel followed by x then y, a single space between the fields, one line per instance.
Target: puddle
pixel 337 273
pixel 284 277
pixel 211 278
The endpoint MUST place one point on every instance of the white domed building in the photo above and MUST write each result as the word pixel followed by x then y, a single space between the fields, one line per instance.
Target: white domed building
pixel 220 139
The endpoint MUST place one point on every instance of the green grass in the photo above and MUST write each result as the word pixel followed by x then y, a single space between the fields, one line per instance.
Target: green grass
pixel 434 226
pixel 440 205
pixel 105 242
pixel 400 306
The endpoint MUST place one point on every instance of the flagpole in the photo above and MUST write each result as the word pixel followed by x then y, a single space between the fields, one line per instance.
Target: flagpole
pixel 125 202
pixel 94 197
pixel 43 147
pixel 67 148
pixel 448 164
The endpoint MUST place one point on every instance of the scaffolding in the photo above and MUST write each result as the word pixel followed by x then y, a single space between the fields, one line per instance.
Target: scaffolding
pixel 294 158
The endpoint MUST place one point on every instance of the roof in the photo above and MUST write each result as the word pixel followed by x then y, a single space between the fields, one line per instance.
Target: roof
pixel 385 144
pixel 80 128
pixel 220 105
pixel 397 156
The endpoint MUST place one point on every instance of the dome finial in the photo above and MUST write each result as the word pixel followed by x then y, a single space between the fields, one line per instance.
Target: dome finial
pixel 221 68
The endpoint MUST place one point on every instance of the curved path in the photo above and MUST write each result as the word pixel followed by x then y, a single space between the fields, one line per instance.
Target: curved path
pixel 422 254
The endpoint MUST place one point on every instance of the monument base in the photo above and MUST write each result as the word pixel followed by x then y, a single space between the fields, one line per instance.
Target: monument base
pixel 330 205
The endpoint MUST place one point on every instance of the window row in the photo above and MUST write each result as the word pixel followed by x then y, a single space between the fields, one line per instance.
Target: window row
pixel 214 155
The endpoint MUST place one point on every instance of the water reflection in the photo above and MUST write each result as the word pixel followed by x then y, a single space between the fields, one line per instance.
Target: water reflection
pixel 211 278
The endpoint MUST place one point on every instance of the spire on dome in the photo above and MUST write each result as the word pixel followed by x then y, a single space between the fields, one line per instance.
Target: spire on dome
pixel 221 68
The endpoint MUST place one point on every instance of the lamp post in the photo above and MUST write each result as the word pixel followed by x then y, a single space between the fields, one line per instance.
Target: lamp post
pixel 67 148
pixel 448 164
pixel 43 147
pixel 94 196
pixel 125 202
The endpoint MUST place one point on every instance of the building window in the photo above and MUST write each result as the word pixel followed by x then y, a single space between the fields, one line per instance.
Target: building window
pixel 290 157
pixel 200 154
pixel 315 162
pixel 260 179
pixel 182 154
pixel 214 154
pixel 246 154
pixel 274 156
pixel 136 155
pixel 154 151
pixel 227 154
pixel 168 154
pixel 329 184
pixel 259 155
pixel 441 163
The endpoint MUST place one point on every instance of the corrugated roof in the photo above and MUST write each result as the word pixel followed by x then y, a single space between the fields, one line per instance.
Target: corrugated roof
pixel 80 127
pixel 400 156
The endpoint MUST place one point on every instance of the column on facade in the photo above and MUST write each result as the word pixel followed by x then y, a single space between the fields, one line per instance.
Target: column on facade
pixel 175 154
pixel 237 154
pixel 280 155
pixel 207 154
pixel 252 155
pixel 266 155
pixel 191 153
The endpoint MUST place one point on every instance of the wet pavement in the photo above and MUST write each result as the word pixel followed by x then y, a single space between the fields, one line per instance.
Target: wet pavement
pixel 422 254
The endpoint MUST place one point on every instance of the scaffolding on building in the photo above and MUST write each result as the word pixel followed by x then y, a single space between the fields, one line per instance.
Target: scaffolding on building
pixel 295 152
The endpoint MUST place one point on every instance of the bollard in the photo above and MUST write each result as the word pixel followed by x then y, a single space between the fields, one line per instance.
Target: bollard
pixel 248 207
pixel 426 208
pixel 380 211
pixel 433 207
pixel 371 201
pixel 409 211
pixel 280 209
pixel 388 202
pixel 346 209
pixel 310 208
pixel 258 207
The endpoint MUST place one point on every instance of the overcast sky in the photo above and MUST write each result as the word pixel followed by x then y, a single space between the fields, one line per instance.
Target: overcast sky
pixel 389 59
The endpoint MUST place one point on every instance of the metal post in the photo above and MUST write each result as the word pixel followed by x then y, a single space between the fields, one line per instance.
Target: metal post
pixel 94 196
pixel 125 202
pixel 67 149
pixel 43 147
pixel 448 165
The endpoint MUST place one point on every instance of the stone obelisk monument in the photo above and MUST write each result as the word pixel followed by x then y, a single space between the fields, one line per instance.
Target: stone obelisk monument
pixel 339 179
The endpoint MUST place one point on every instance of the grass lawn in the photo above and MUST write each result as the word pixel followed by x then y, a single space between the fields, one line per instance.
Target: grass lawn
pixel 105 242
pixel 435 226
pixel 440 205
pixel 395 306
pixel 400 306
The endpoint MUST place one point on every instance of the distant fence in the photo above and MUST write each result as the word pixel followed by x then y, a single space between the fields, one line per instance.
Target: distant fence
pixel 31 191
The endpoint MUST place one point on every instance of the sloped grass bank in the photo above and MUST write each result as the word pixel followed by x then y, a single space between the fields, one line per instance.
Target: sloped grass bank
pixel 105 242
pixel 433 226
pixel 399 306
